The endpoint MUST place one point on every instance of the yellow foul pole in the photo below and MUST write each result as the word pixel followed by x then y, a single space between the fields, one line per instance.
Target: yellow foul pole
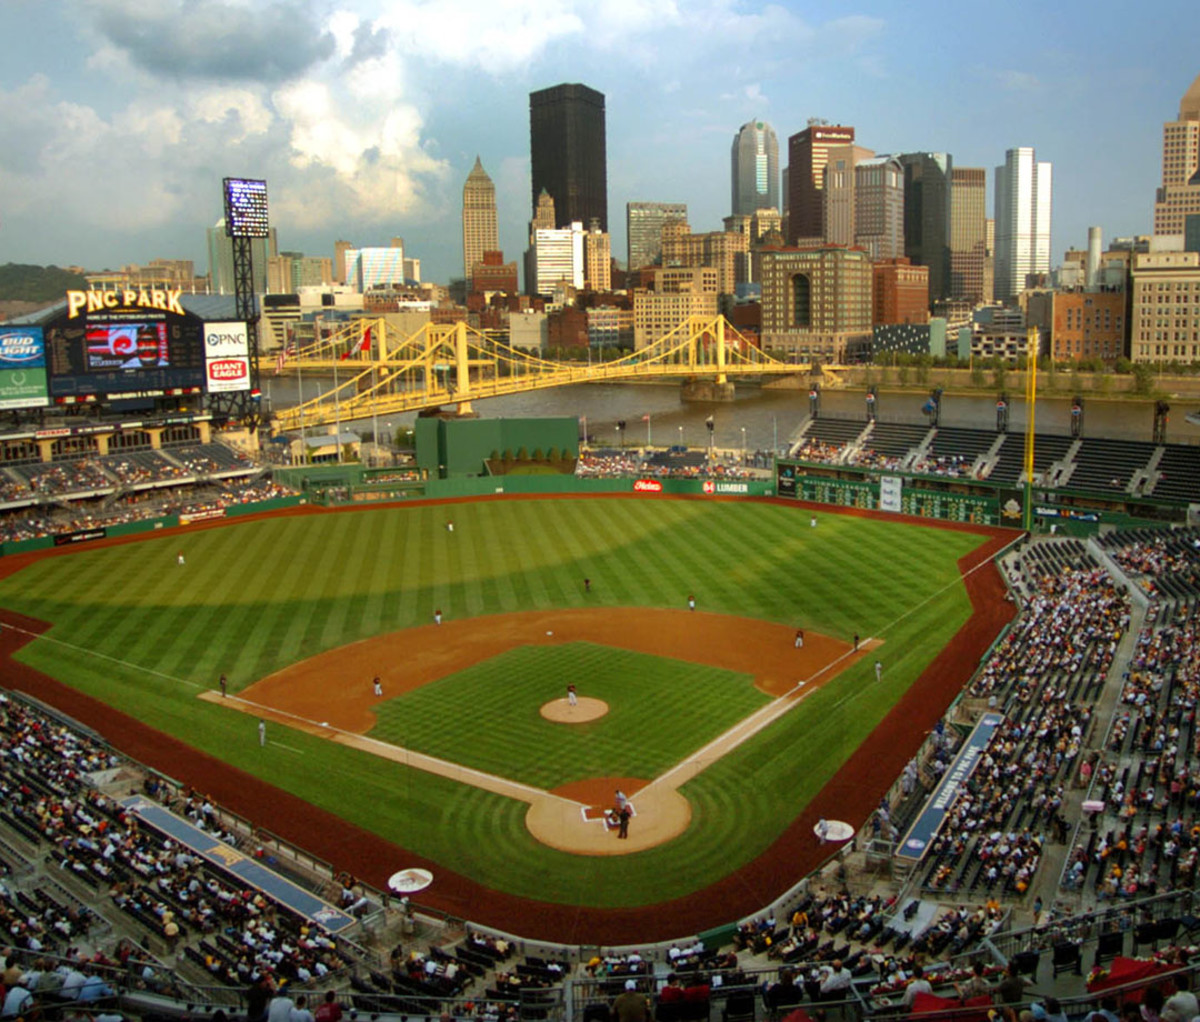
pixel 1030 410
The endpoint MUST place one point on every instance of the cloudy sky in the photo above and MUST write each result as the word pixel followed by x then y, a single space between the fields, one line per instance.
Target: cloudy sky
pixel 118 118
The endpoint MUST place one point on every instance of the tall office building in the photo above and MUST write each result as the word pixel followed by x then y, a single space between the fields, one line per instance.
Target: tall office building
pixel 340 248
pixel 1023 190
pixel 838 199
pixel 755 168
pixel 480 233
pixel 807 154
pixel 1179 194
pixel 597 259
pixel 220 259
pixel 968 233
pixel 928 216
pixel 879 207
pixel 567 152
pixel 374 267
pixel 557 258
pixel 644 222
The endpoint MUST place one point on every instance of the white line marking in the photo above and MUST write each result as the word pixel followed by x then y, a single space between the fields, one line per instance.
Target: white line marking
pixel 102 656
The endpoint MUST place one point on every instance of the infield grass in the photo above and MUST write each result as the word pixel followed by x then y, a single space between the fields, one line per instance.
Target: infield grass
pixel 133 628
pixel 488 716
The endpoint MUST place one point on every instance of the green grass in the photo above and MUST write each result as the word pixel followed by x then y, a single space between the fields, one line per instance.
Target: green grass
pixel 497 703
pixel 144 634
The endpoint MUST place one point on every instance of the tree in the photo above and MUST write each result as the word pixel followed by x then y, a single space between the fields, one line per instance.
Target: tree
pixel 1143 378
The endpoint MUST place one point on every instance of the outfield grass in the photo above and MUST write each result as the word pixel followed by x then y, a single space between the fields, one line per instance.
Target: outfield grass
pixel 135 629
pixel 487 716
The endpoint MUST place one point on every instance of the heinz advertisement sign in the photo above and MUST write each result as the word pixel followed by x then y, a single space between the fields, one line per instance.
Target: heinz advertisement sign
pixel 226 357
pixel 22 367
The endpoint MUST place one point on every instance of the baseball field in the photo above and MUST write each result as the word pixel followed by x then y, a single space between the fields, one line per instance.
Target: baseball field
pixel 729 739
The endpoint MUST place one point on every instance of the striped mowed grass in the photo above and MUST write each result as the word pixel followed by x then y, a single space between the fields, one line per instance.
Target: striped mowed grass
pixel 487 716
pixel 135 629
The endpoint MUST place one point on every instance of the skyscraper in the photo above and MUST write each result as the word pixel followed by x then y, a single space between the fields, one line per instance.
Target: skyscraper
pixel 1023 188
pixel 480 233
pixel 879 207
pixel 644 222
pixel 807 154
pixel 968 232
pixel 837 190
pixel 567 152
pixel 1179 194
pixel 755 171
pixel 928 216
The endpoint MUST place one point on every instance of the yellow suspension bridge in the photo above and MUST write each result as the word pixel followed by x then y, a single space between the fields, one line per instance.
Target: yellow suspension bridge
pixel 376 371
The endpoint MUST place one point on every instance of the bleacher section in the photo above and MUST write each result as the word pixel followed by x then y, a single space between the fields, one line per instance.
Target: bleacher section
pixel 889 443
pixel 1010 461
pixel 1146 838
pixel 954 450
pixel 835 431
pixel 1108 465
pixel 1179 477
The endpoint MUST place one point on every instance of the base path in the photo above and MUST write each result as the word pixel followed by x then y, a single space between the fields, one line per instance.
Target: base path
pixel 313 697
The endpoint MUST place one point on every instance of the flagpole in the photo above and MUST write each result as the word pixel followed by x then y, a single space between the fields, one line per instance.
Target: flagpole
pixel 649 441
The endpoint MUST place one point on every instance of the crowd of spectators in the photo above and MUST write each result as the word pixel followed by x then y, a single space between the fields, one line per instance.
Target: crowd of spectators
pixel 58 478
pixel 868 457
pixel 608 463
pixel 1145 784
pixel 950 465
pixel 812 449
pixel 135 507
pixel 235 933
pixel 142 467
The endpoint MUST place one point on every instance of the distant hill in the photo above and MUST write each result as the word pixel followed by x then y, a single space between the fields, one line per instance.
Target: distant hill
pixel 41 284
pixel 9 310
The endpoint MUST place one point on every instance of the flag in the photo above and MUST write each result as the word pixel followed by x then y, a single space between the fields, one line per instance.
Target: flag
pixel 645 418
pixel 360 346
pixel 279 362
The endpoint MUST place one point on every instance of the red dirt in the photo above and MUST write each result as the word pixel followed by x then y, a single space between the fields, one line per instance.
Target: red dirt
pixel 598 791
pixel 851 795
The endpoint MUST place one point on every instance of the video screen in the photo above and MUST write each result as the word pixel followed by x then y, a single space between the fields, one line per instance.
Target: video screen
pixel 127 346
pixel 127 358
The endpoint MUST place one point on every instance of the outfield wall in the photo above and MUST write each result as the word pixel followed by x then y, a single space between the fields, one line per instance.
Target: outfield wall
pixel 954 499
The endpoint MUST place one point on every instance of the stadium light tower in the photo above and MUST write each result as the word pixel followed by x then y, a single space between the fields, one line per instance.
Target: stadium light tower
pixel 245 219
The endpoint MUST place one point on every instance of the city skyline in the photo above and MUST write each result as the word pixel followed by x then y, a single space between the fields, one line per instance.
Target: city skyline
pixel 365 118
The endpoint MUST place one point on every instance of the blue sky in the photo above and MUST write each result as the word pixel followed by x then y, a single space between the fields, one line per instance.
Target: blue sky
pixel 118 118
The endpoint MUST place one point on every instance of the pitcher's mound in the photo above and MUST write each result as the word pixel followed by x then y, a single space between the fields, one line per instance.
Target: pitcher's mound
pixel 562 712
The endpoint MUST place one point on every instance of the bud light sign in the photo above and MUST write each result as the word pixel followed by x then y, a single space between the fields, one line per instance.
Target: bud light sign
pixel 22 367
pixel 226 357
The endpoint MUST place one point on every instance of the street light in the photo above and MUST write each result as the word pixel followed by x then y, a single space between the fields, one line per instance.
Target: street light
pixel 680 436
pixel 743 445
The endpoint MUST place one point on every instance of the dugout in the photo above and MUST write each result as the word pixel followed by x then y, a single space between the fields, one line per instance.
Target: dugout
pixel 458 448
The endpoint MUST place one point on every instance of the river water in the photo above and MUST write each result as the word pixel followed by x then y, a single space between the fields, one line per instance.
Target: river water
pixel 767 419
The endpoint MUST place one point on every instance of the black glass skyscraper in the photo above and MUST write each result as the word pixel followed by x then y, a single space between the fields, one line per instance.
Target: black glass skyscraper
pixel 567 153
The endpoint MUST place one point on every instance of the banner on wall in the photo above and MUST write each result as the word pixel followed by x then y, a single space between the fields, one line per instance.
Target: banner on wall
pixel 22 367
pixel 891 492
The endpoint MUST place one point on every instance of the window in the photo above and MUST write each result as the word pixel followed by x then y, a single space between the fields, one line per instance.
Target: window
pixel 801 301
